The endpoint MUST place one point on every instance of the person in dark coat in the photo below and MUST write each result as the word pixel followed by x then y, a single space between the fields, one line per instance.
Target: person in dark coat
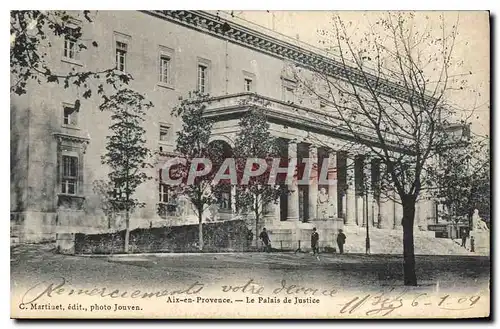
pixel 265 239
pixel 314 242
pixel 464 238
pixel 249 237
pixel 341 241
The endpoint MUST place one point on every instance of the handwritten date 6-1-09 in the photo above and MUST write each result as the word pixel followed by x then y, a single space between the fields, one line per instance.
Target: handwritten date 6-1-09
pixel 385 303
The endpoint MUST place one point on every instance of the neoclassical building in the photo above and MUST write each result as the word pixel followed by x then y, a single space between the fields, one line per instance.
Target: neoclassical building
pixel 56 151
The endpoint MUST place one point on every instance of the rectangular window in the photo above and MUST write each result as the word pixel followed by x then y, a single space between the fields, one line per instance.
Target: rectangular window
pixel 248 85
pixel 121 56
pixel 202 78
pixel 69 174
pixel 70 116
pixel 164 129
pixel 164 69
pixel 163 195
pixel 70 47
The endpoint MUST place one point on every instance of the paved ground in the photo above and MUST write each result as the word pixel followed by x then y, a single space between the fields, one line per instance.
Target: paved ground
pixel 34 263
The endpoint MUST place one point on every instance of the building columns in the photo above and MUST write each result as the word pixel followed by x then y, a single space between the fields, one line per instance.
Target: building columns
pixel 293 188
pixel 313 183
pixel 332 186
pixel 350 193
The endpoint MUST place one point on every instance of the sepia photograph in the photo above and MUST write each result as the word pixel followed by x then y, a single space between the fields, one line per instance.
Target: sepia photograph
pixel 250 164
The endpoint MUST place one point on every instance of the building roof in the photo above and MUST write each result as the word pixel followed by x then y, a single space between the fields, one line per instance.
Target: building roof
pixel 274 45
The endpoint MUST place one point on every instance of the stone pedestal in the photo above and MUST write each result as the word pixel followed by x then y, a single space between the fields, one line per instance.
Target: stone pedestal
pixel 481 241
pixel 65 243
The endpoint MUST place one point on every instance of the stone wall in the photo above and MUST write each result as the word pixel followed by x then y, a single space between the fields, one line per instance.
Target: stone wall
pixel 32 226
pixel 218 237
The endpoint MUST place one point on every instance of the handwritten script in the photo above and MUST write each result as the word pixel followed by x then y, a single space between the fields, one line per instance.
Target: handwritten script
pixel 378 304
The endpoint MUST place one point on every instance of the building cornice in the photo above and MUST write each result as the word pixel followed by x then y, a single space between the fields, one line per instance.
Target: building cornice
pixel 221 107
pixel 247 37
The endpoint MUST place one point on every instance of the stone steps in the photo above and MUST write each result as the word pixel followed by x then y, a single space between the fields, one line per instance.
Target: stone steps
pixel 384 241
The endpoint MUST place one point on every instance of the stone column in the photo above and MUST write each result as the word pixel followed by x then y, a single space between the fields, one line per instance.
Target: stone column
pixel 398 212
pixel 293 195
pixel 350 194
pixel 332 186
pixel 233 199
pixel 386 208
pixel 313 183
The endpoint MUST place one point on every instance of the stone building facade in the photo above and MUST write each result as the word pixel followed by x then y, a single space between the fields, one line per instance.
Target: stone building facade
pixel 56 152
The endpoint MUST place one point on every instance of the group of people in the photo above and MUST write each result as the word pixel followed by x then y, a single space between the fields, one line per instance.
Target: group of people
pixel 264 237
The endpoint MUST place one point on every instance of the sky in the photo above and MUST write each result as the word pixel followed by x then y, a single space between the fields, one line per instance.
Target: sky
pixel 472 46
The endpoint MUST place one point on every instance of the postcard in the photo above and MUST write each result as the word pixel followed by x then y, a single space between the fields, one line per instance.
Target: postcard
pixel 250 164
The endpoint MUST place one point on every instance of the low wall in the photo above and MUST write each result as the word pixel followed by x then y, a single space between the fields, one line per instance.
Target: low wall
pixel 217 237
pixel 32 226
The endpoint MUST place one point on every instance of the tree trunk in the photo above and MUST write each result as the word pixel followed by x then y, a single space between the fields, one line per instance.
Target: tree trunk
pixel 200 230
pixel 410 277
pixel 127 231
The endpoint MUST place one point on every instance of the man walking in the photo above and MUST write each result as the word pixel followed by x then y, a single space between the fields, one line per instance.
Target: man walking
pixel 314 242
pixel 265 239
pixel 341 241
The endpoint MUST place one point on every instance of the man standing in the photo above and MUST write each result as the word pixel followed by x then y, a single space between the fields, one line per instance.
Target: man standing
pixel 314 242
pixel 464 238
pixel 249 238
pixel 341 241
pixel 265 239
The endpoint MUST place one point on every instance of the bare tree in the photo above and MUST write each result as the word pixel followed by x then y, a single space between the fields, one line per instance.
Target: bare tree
pixel 388 90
